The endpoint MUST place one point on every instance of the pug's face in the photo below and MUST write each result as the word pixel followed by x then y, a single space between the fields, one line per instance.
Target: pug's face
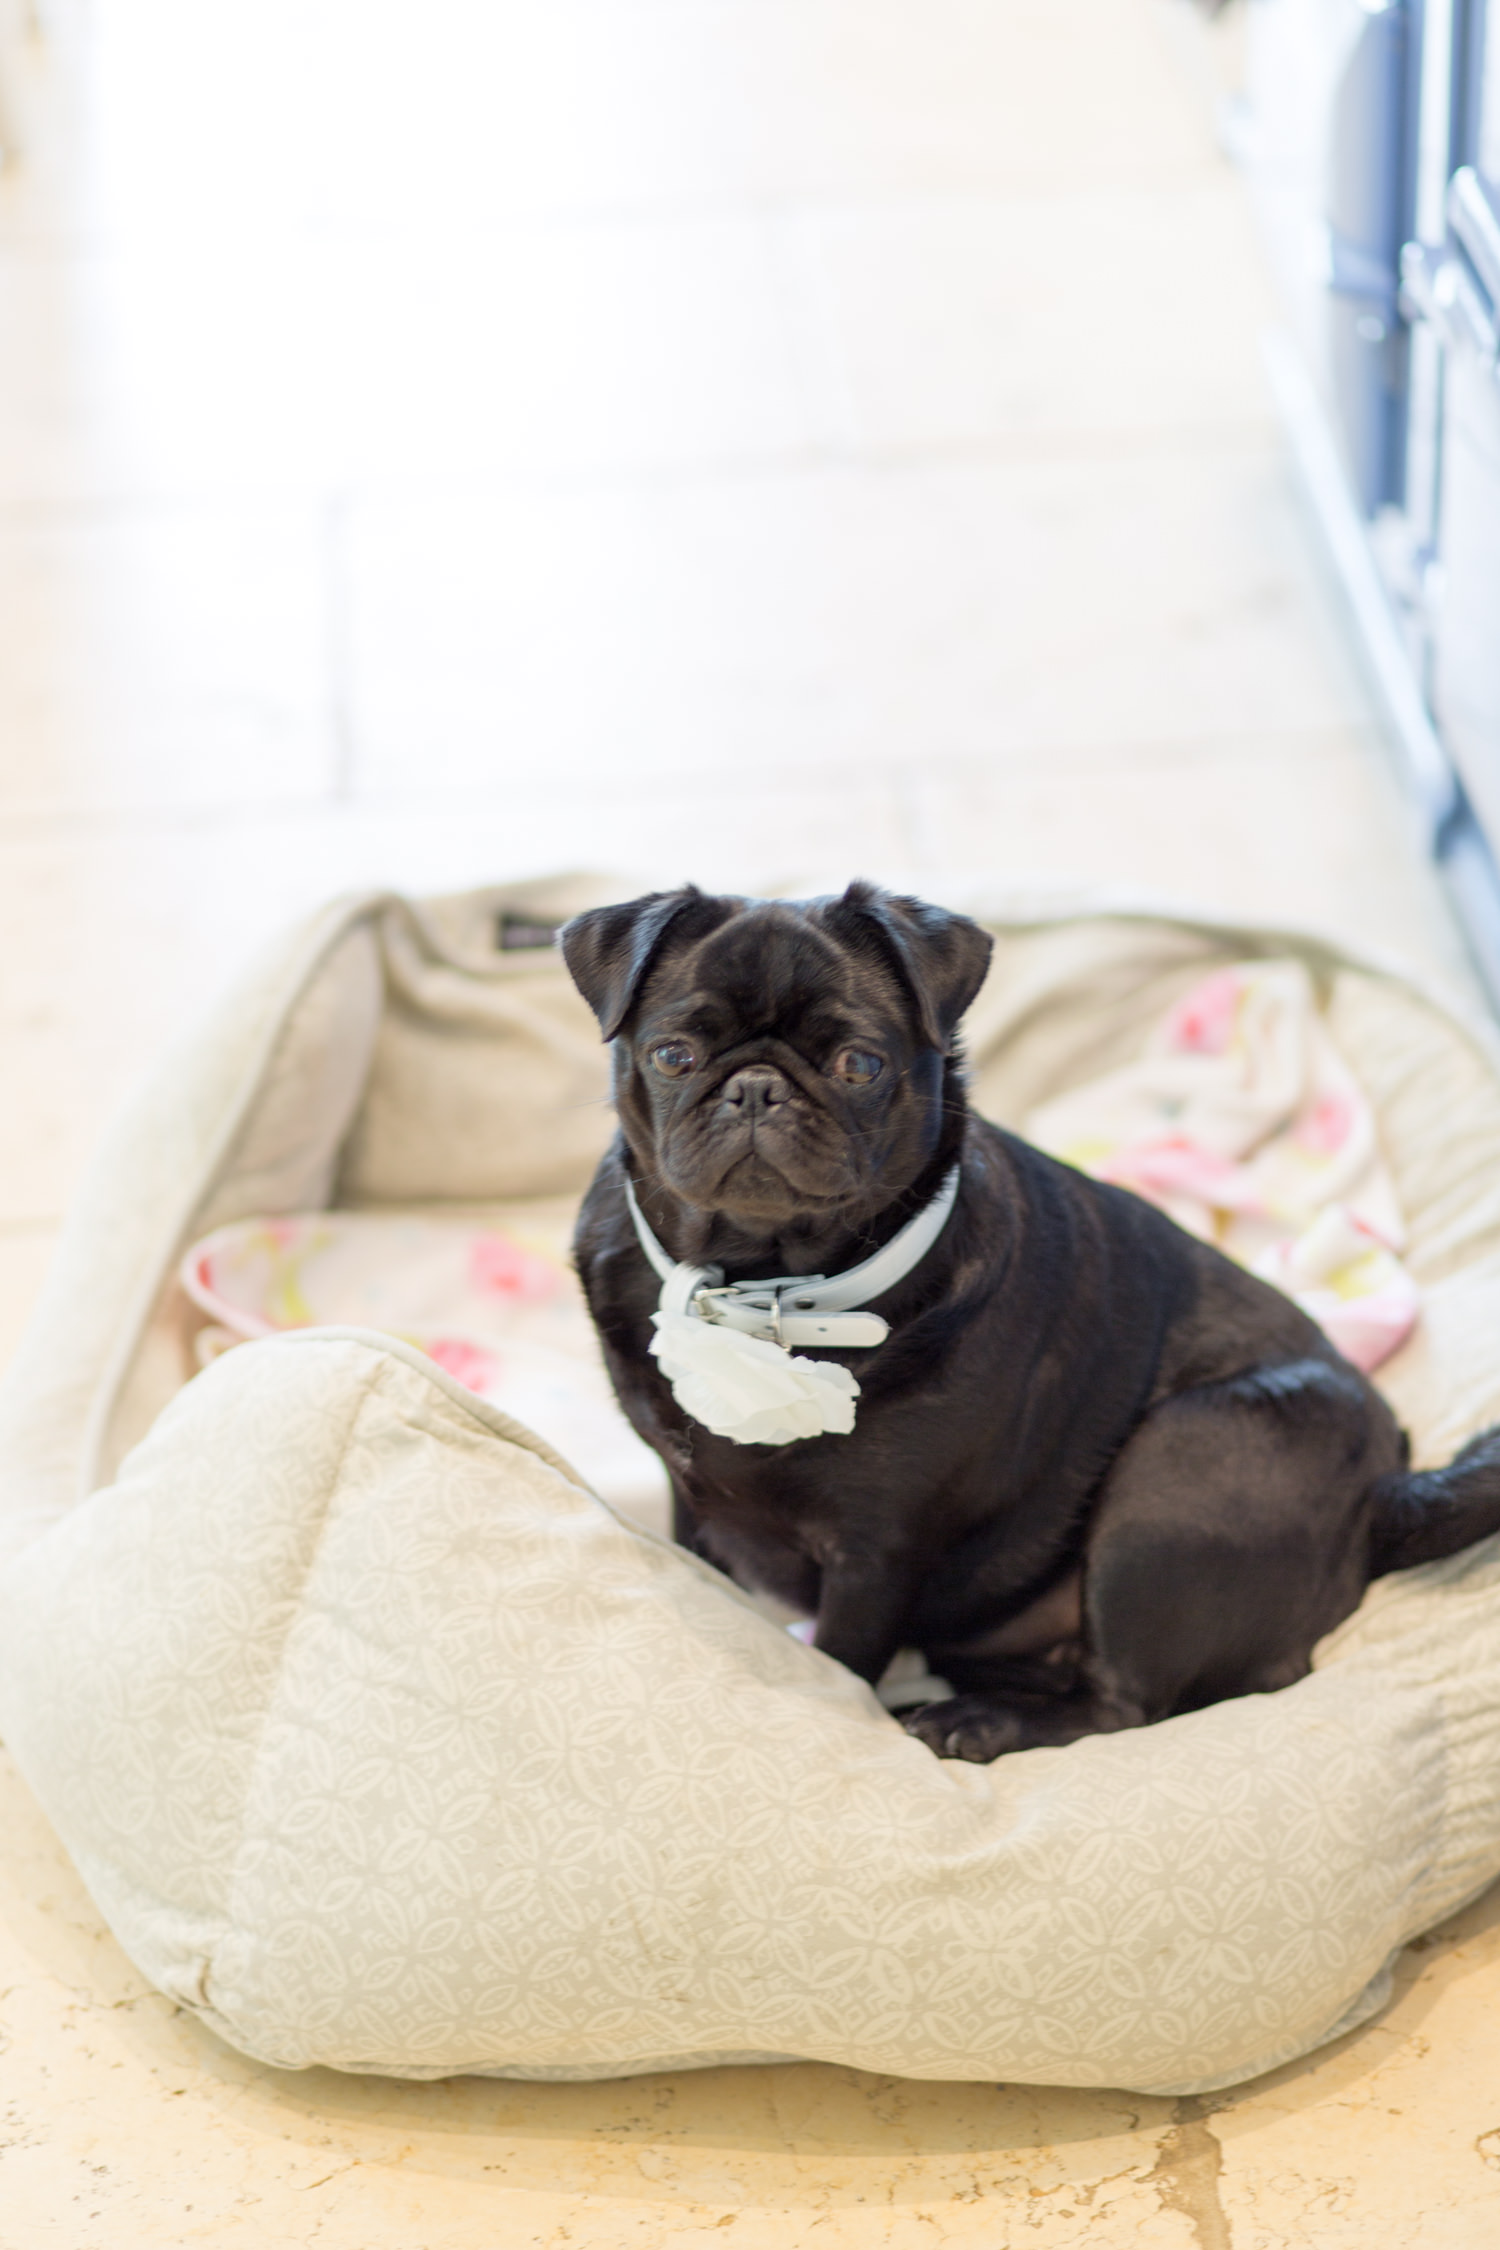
pixel 775 1061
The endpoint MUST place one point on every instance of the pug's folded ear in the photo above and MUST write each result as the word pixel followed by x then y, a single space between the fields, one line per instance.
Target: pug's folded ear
pixel 941 958
pixel 609 950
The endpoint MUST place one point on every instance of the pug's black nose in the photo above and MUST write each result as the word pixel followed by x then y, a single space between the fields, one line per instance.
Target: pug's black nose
pixel 755 1089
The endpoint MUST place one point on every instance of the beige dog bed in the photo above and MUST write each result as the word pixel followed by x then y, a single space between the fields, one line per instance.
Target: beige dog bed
pixel 383 1744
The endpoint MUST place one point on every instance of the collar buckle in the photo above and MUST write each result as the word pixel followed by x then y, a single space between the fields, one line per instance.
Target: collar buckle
pixel 818 1312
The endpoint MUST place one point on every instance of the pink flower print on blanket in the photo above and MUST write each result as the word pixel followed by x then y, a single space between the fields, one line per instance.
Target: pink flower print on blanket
pixel 1243 1122
pixel 1204 1023
pixel 467 1362
pixel 1327 1126
pixel 1177 1170
pixel 503 1268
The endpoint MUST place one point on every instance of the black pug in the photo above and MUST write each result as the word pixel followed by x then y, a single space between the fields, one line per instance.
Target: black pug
pixel 1097 1474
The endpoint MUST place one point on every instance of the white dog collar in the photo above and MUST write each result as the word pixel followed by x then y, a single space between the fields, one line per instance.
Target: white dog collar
pixel 725 1346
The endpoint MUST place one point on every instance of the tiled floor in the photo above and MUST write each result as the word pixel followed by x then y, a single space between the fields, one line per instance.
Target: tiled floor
pixel 713 437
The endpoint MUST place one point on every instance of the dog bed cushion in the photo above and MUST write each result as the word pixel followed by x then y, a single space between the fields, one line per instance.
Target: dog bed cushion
pixel 383 1743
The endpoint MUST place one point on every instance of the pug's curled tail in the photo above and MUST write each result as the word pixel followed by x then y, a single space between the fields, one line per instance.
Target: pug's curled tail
pixel 1420 1515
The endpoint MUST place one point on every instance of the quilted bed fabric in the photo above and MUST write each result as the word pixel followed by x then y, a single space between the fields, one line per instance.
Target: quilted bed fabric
pixel 383 1744
pixel 394 1749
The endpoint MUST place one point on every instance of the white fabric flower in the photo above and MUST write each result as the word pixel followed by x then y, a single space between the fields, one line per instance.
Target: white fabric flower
pixel 748 1389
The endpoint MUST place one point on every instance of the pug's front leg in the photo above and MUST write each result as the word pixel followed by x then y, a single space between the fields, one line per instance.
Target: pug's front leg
pixel 863 1605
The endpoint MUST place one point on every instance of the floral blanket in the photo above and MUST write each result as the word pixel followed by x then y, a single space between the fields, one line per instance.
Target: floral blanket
pixel 1244 1123
pixel 493 1299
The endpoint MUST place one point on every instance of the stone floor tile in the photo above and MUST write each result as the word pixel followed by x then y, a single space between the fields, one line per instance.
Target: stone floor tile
pixel 589 344
pixel 163 656
pixel 158 371
pixel 975 609
pixel 966 320
pixel 300 363
pixel 586 105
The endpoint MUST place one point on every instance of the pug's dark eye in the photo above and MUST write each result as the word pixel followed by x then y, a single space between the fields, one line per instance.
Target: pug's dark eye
pixel 673 1058
pixel 857 1066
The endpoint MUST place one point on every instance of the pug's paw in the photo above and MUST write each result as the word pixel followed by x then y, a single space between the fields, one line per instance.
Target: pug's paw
pixel 968 1726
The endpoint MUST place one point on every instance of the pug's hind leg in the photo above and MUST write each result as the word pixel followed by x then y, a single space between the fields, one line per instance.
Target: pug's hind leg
pixel 1230 1534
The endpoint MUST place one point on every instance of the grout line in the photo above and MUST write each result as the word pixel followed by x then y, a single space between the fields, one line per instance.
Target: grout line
pixel 451 799
pixel 69 825
pixel 1187 2174
pixel 86 511
pixel 1020 449
pixel 86 241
